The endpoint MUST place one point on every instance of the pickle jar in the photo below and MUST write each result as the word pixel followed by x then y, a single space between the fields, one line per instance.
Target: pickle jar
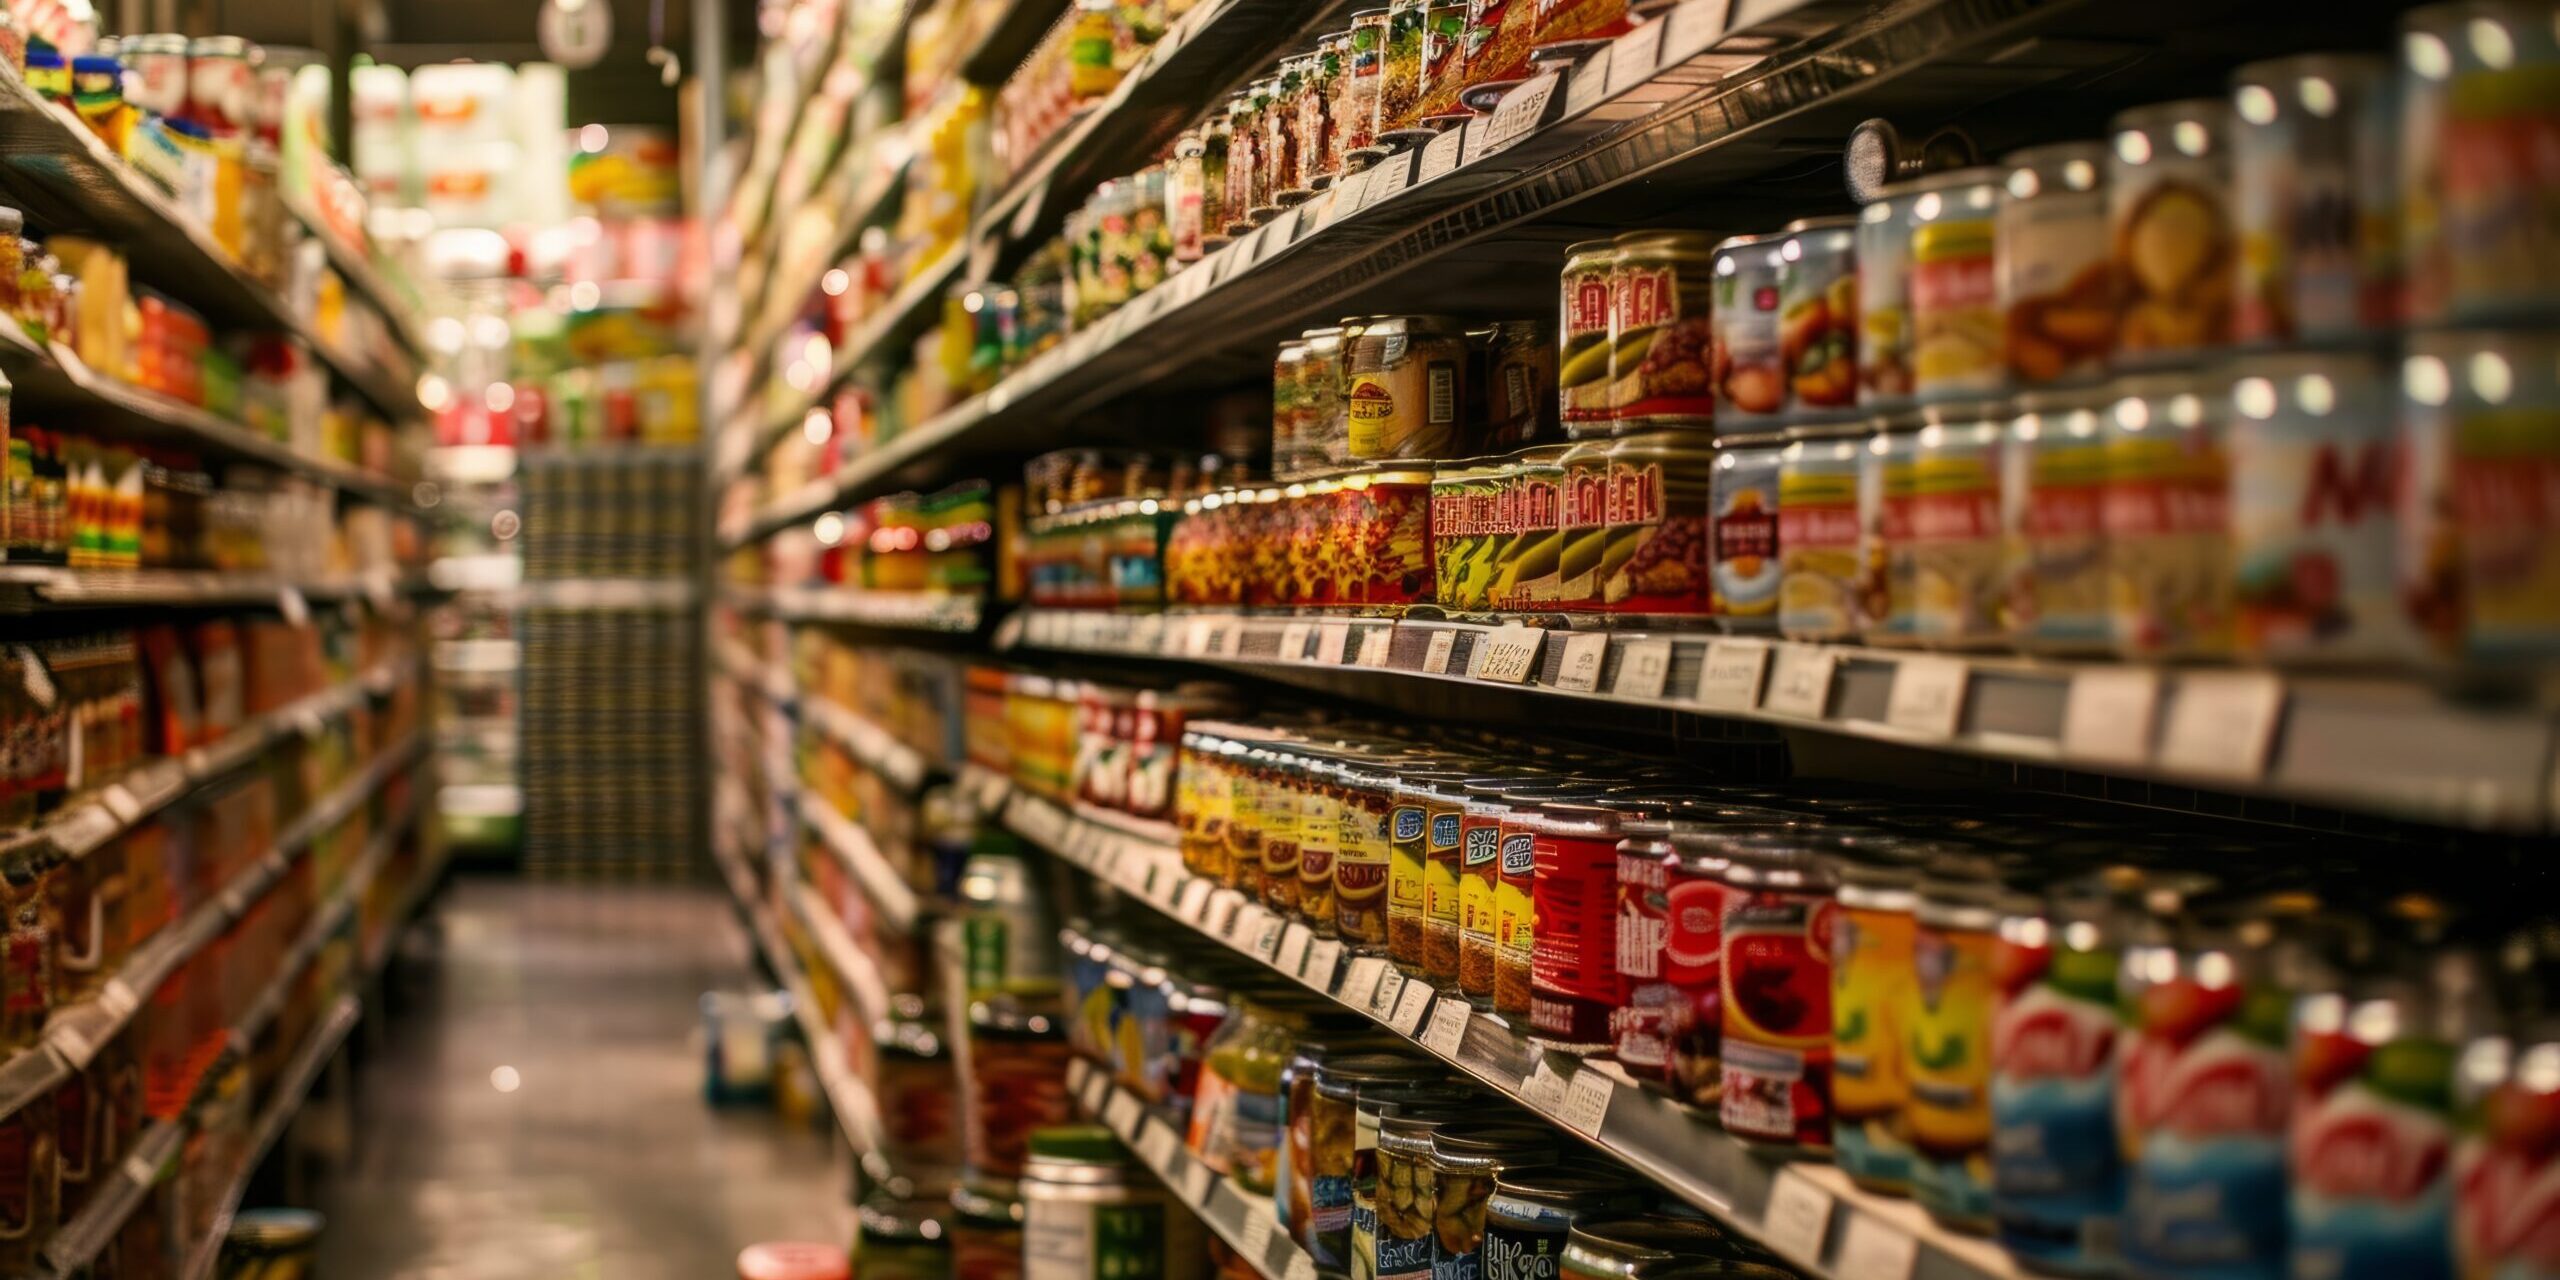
pixel 1533 1209
pixel 1332 1133
pixel 1305 1200
pixel 1406 1196
pixel 1465 1161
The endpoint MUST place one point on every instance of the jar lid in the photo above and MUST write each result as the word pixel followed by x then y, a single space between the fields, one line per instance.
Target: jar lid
pixel 1567 1184
pixel 1503 1140
pixel 794 1260
pixel 1077 1144
pixel 218 46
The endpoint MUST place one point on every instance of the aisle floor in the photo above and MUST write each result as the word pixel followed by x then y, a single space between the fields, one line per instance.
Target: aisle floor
pixel 602 1160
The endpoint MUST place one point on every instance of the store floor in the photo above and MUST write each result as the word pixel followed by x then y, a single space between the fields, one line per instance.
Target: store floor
pixel 601 1160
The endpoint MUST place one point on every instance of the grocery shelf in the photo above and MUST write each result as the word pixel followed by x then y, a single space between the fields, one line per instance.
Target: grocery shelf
pixel 1804 1212
pixel 69 180
pixel 41 586
pixel 1246 1222
pixel 288 1095
pixel 150 787
pixel 1009 40
pixel 857 973
pixel 900 765
pixel 605 595
pixel 739 665
pixel 915 305
pixel 888 892
pixel 904 610
pixel 52 379
pixel 396 305
pixel 2387 744
pixel 779 303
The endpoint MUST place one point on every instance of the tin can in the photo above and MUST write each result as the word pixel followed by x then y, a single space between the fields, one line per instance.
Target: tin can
pixel 1957 348
pixel 1888 483
pixel 1362 866
pixel 1289 405
pixel 1091 1211
pixel 1655 1245
pixel 1481 829
pixel 2052 492
pixel 1583 342
pixel 1529 516
pixel 156 64
pixel 1407 396
pixel 1654 561
pixel 2481 552
pixel 1463 541
pixel 1322 828
pixel 1871 995
pixel 1575 987
pixel 2476 185
pixel 1295 786
pixel 222 83
pixel 1820 535
pixel 1532 1210
pixel 1818 314
pixel 2314 476
pixel 1465 1162
pixel 1515 917
pixel 1661 331
pixel 2507 1088
pixel 2167 517
pixel 1947 1111
pixel 1744 498
pixel 1884 299
pixel 1639 1027
pixel 1776 1046
pixel 1248 811
pixel 1747 363
pixel 2176 247
pixel 2315 189
pixel 2056 292
pixel 1583 514
pixel 1956 546
pixel 1408 859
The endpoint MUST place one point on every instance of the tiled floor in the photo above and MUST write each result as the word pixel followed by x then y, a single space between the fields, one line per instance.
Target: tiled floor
pixel 603 1160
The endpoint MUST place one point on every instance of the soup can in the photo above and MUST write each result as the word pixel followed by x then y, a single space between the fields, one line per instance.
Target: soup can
pixel 1583 501
pixel 1818 315
pixel 2057 301
pixel 1884 299
pixel 1582 335
pixel 1777 1035
pixel 1871 995
pixel 1480 877
pixel 1956 545
pixel 2314 476
pixel 1661 331
pixel 1947 1109
pixel 2176 251
pixel 1956 342
pixel 1750 374
pixel 2507 1085
pixel 2480 552
pixel 1532 1210
pixel 1654 561
pixel 1531 513
pixel 2476 183
pixel 1440 798
pixel 2167 516
pixel 1744 505
pixel 1575 987
pixel 2052 492
pixel 1819 531
pixel 1888 482
pixel 2315 189
pixel 1407 388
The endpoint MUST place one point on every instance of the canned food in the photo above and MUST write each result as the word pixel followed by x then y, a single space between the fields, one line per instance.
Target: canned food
pixel 1661 331
pixel 1091 1211
pixel 1745 513
pixel 1462 540
pixel 2314 454
pixel 1672 899
pixel 1956 343
pixel 1407 1195
pixel 222 83
pixel 1323 401
pixel 1400 76
pixel 2176 256
pixel 1583 342
pixel 1656 556
pixel 2167 517
pixel 1818 313
pixel 1408 857
pixel 1884 298
pixel 1330 1124
pixel 2315 192
pixel 1530 555
pixel 1532 1210
pixel 1776 1045
pixel 1361 866
pixel 1749 370
pixel 1517 397
pixel 1871 998
pixel 2480 551
pixel 1407 393
pixel 2476 184
pixel 2052 494
pixel 1888 482
pixel 2056 291
pixel 1015 1062
pixel 1575 988
pixel 1321 824
pixel 1442 798
pixel 1465 1162
pixel 1947 1110
pixel 1583 514
pixel 157 67
pixel 1956 545
pixel 1382 539
pixel 1819 531
pixel 1269 792
pixel 1289 406
pixel 1480 878
pixel 2505 1087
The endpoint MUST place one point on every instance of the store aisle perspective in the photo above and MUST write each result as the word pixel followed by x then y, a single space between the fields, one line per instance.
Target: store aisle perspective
pixel 601 1159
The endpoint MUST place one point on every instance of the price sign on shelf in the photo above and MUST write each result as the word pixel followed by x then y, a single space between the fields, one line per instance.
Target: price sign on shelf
pixel 1331 640
pixel 1198 1182
pixel 1388 178
pixel 1731 676
pixel 1578 665
pixel 1122 1113
pixel 1543 1089
pixel 1411 1002
pixel 1586 1102
pixel 1435 659
pixel 1292 956
pixel 296 610
pixel 1691 27
pixel 1293 641
pixel 2222 724
pixel 1156 1143
pixel 1097 1090
pixel 1870 1248
pixel 1644 667
pixel 1518 115
pixel 1256 1244
pixel 1632 58
pixel 1440 158
pixel 1506 655
pixel 1195 900
pixel 1390 988
pixel 1800 684
pixel 1301 1267
pixel 1928 696
pixel 1323 957
pixel 2108 716
pixel 1448 1029
pixel 1586 84
pixel 1360 989
pixel 1375 644
pixel 1799 1218
pixel 1348 195
pixel 1273 936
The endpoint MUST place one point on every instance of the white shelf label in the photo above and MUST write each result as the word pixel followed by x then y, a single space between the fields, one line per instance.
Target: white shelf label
pixel 1267 943
pixel 1293 641
pixel 1694 26
pixel 1156 1143
pixel 1360 989
pixel 1195 901
pixel 1343 199
pixel 1331 640
pixel 1871 1250
pixel 1387 179
pixel 1801 683
pixel 1516 117
pixel 1411 1003
pixel 1258 1224
pixel 1435 660
pixel 1578 669
pixel 1543 1090
pixel 1644 667
pixel 1441 156
pixel 1382 1003
pixel 296 610
pixel 2222 724
pixel 1009 632
pixel 39 679
pixel 1323 958
pixel 1216 645
pixel 1506 655
pixel 1586 84
pixel 1586 1102
pixel 1292 956
pixel 1928 696
pixel 1448 1029
pixel 1122 1113
pixel 1798 1219
pixel 1632 58
pixel 1199 1182
pixel 1730 678
pixel 1097 1090
pixel 1301 1267
pixel 2108 716
pixel 1375 644
pixel 1246 924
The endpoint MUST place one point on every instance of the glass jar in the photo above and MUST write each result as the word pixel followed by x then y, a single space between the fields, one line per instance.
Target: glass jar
pixel 915 1087
pixel 1324 1090
pixel 1532 1209
pixel 1400 78
pixel 1092 1212
pixel 986 1231
pixel 1406 1196
pixel 1406 395
pixel 1465 1161
pixel 1015 1066
pixel 1235 1115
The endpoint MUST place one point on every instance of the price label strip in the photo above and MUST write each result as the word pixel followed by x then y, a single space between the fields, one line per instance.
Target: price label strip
pixel 1586 1102
pixel 1441 157
pixel 1375 644
pixel 1435 659
pixel 1448 1028
pixel 1644 668
pixel 1731 677
pixel 1578 666
pixel 1799 1218
pixel 1411 1003
pixel 1507 655
pixel 2109 715
pixel 1800 685
pixel 2222 724
pixel 1928 696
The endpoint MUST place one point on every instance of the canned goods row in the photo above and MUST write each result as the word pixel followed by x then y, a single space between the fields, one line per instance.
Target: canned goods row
pixel 1384 389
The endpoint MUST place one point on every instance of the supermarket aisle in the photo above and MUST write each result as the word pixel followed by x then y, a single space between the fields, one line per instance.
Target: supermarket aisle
pixel 601 1160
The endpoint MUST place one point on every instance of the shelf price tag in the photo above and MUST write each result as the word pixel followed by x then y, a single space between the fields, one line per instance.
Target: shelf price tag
pixel 1516 117
pixel 1586 84
pixel 1097 1090
pixel 1586 1102
pixel 37 678
pixel 1928 696
pixel 1390 988
pixel 1256 1244
pixel 1644 667
pixel 1801 683
pixel 1578 670
pixel 1122 1113
pixel 1343 200
pixel 1633 57
pixel 1798 1219
pixel 1448 1029
pixel 1731 677
pixel 1543 1090
pixel 1411 1003
pixel 1387 179
pixel 1323 957
pixel 1195 901
pixel 1291 958
pixel 1301 1267
pixel 1246 924
pixel 2222 724
pixel 1273 936
pixel 1694 26
pixel 1375 643
pixel 1435 660
pixel 1156 1143
pixel 1331 640
pixel 1506 655
pixel 1869 1248
pixel 1440 158
pixel 1199 1181
pixel 296 610
pixel 2108 716
pixel 1293 641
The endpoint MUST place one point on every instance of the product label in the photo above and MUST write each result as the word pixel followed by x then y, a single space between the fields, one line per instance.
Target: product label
pixel 1574 983
pixel 2372 1151
pixel 1955 309
pixel 1745 528
pixel 1076 1240
pixel 1818 527
pixel 2056 1166
pixel 2204 1099
pixel 1947 1053
pixel 2167 519
pixel 1524 1241
pixel 1777 1017
pixel 1870 986
pixel 2315 567
pixel 1884 304
pixel 2053 283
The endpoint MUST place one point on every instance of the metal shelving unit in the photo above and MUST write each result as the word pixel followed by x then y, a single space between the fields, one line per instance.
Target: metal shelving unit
pixel 1246 1222
pixel 904 610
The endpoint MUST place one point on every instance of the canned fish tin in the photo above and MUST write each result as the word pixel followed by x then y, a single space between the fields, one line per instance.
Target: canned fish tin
pixel 1956 344
pixel 2056 293
pixel 2315 191
pixel 2314 455
pixel 1888 482
pixel 2476 185
pixel 1819 536
pixel 2167 517
pixel 1407 394
pixel 1532 1210
pixel 1884 299
pixel 1655 560
pixel 2176 252
pixel 1818 314
pixel 1750 373
pixel 1661 331
pixel 2481 551
pixel 2052 491
pixel 1956 546
pixel 1744 506
pixel 1582 335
